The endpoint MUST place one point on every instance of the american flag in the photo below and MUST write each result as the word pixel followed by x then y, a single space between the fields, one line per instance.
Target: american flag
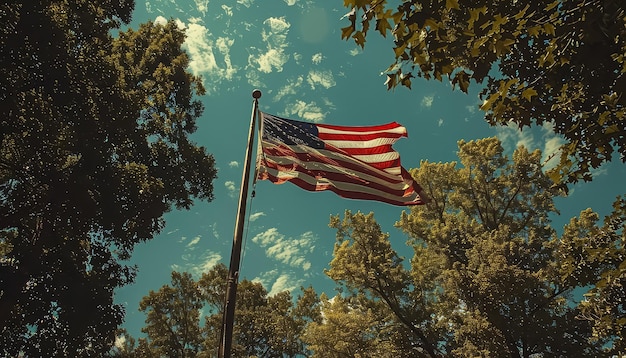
pixel 353 162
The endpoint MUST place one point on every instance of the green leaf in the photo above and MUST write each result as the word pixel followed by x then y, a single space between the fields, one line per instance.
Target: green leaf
pixel 359 38
pixel 452 4
pixel 382 25
pixel 346 32
pixel 528 93
pixel 549 29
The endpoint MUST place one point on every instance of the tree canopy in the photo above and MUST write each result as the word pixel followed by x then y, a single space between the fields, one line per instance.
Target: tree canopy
pixel 560 63
pixel 489 276
pixel 95 148
pixel 265 326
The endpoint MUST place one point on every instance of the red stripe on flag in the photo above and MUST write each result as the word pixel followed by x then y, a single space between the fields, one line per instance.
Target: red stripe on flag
pixel 353 162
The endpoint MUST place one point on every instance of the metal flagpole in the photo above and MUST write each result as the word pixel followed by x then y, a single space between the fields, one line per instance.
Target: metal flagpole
pixel 235 256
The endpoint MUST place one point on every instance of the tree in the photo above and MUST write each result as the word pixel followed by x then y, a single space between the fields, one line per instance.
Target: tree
pixel 265 326
pixel 561 63
pixel 351 330
pixel 94 150
pixel 489 275
pixel 173 318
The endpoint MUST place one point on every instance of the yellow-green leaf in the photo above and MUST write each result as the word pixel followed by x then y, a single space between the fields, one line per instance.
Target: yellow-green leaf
pixel 520 14
pixel 382 25
pixel 529 93
pixel 499 21
pixel 359 38
pixel 486 106
pixel 432 23
pixel 552 5
pixel 612 129
pixel 534 30
pixel 452 4
pixel 346 32
pixel 549 28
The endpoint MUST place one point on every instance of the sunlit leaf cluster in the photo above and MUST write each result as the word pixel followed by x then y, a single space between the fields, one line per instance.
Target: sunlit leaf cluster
pixel 560 63
pixel 184 319
pixel 489 276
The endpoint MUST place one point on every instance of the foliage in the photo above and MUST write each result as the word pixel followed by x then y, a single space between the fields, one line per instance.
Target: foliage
pixel 265 326
pixel 561 63
pixel 489 276
pixel 95 148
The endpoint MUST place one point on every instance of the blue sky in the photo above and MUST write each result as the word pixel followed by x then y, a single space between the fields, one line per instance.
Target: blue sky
pixel 292 51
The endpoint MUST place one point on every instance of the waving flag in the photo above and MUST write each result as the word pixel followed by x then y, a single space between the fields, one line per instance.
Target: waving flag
pixel 353 162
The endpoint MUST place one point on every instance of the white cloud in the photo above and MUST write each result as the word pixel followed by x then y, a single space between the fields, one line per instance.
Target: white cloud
pixel 266 277
pixel 228 10
pixel 355 51
pixel 427 101
pixel 216 233
pixel 191 244
pixel 290 2
pixel 196 265
pixel 208 261
pixel 552 152
pixel 317 58
pixel 290 88
pixel 549 143
pixel 272 59
pixel 231 188
pixel 285 282
pixel 274 34
pixel 512 136
pixel 290 251
pixel 256 216
pixel 440 122
pixel 322 78
pixel 119 342
pixel 202 6
pixel 209 57
pixel 297 57
pixel 160 20
pixel 308 111
pixel 181 25
pixel 233 164
pixel 246 3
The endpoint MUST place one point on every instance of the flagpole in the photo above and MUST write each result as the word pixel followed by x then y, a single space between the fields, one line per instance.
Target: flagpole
pixel 235 256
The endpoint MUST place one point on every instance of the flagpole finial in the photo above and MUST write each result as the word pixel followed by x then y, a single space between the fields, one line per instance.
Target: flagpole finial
pixel 256 94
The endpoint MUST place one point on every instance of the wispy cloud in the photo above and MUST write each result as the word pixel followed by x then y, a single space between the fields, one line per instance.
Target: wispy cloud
pixel 291 88
pixel 290 251
pixel 231 188
pixel 208 56
pixel 246 3
pixel 202 6
pixel 511 136
pixel 285 282
pixel 548 142
pixel 192 244
pixel 427 101
pixel 256 216
pixel 308 111
pixel 233 164
pixel 274 35
pixel 317 58
pixel 322 78
pixel 196 265
pixel 279 281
